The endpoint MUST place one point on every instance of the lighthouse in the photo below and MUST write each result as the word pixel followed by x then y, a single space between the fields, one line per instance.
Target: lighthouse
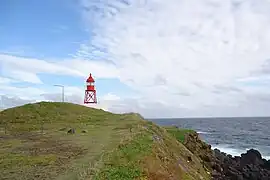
pixel 90 91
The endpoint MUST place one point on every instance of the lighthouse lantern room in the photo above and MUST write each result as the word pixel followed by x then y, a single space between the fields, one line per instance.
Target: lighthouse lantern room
pixel 90 91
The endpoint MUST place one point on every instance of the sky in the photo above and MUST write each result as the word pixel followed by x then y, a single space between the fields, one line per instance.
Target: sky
pixel 173 58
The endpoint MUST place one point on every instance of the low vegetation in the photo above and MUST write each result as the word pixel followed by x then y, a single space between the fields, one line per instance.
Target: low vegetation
pixel 67 141
pixel 179 134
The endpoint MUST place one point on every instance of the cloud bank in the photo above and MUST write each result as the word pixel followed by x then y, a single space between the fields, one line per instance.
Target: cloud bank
pixel 183 58
pixel 189 54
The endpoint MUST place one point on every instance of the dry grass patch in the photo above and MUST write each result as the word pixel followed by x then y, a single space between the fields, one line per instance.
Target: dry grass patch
pixel 35 156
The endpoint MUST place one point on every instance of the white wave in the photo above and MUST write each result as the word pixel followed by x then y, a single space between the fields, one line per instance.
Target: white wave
pixel 228 150
pixel 266 157
pixel 203 132
pixel 233 151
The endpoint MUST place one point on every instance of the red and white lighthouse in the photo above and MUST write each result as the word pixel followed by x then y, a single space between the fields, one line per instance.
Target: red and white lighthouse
pixel 90 92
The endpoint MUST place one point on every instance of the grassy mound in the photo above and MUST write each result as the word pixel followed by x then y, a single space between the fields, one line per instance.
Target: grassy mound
pixel 35 144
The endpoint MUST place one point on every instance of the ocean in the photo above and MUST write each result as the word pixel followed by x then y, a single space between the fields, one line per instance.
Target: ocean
pixel 230 135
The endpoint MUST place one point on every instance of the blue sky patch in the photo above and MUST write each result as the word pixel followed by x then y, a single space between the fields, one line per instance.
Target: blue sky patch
pixel 51 29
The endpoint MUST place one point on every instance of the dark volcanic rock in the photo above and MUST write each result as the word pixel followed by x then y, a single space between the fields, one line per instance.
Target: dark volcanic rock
pixel 248 166
pixel 266 164
pixel 251 157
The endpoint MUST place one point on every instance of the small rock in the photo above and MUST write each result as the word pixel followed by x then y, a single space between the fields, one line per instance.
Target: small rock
pixel 71 131
pixel 84 131
pixel 215 174
pixel 156 138
pixel 217 167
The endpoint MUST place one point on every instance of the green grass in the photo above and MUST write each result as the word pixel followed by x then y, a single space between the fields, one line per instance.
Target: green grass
pixel 34 144
pixel 123 163
pixel 7 160
pixel 179 134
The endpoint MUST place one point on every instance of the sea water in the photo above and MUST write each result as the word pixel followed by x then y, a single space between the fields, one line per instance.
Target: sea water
pixel 230 135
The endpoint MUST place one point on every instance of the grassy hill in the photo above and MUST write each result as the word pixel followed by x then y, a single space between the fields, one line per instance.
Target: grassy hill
pixel 35 144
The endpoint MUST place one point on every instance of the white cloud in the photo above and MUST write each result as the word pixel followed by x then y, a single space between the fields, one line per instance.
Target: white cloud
pixel 99 69
pixel 24 76
pixel 111 97
pixel 7 102
pixel 22 92
pixel 182 52
pixel 4 80
pixel 27 69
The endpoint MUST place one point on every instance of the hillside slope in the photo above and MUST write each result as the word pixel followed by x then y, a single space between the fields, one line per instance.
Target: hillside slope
pixel 67 141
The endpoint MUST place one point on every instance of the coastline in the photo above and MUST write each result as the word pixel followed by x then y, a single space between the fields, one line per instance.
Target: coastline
pixel 234 135
pixel 249 165
pixel 235 152
pixel 228 149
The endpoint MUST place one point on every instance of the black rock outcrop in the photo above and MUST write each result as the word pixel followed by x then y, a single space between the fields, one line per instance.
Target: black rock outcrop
pixel 248 166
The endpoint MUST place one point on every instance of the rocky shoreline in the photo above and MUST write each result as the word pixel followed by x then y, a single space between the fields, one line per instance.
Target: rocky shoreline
pixel 248 166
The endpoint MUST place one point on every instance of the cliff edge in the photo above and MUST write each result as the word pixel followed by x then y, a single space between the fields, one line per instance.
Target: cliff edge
pixel 248 166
